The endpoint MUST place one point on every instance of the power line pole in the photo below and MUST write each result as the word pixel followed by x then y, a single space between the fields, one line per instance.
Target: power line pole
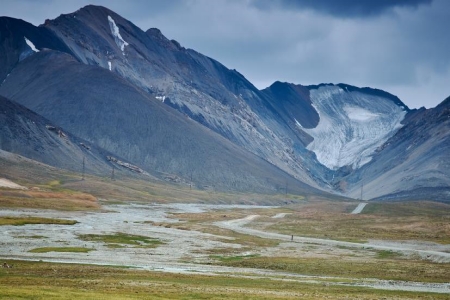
pixel 82 176
pixel 362 187
pixel 112 173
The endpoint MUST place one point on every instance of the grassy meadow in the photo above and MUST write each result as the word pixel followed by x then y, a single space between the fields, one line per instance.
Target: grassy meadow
pixel 41 280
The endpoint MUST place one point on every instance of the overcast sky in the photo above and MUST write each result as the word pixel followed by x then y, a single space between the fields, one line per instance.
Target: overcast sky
pixel 401 46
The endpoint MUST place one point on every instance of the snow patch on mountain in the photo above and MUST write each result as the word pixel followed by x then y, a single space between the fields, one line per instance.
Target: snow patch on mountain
pixel 5 78
pixel 162 98
pixel 359 114
pixel 352 126
pixel 31 45
pixel 117 37
pixel 109 65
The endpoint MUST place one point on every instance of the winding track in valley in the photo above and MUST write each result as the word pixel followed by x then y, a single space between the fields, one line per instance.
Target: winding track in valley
pixel 238 225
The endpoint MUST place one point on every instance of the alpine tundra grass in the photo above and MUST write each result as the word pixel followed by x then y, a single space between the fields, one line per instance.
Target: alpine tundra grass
pixel 41 280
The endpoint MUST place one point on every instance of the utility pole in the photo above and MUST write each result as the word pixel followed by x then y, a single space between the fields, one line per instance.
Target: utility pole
pixel 112 173
pixel 190 183
pixel 82 176
pixel 362 187
pixel 286 187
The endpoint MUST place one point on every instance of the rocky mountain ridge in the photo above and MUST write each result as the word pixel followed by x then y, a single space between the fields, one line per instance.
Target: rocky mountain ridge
pixel 322 135
pixel 30 135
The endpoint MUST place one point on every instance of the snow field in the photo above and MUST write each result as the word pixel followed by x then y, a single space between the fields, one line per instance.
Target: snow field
pixel 117 37
pixel 352 126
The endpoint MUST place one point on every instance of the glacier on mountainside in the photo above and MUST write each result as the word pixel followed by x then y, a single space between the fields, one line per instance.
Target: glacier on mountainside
pixel 117 37
pixel 352 126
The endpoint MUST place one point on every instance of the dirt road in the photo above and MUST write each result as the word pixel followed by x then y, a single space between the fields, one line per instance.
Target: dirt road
pixel 359 208
pixel 426 251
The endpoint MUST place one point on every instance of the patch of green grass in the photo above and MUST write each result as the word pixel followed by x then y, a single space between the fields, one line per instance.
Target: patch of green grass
pixel 61 249
pixel 54 183
pixel 115 246
pixel 119 239
pixel 383 254
pixel 233 258
pixel 19 221
pixel 31 236
pixel 390 269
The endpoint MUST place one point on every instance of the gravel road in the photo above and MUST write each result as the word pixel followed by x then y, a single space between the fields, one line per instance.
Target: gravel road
pixel 359 208
pixel 428 251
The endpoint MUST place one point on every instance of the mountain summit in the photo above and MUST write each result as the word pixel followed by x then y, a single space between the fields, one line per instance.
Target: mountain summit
pixel 180 114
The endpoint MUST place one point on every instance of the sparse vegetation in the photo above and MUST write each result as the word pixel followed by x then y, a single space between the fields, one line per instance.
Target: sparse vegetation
pixel 425 221
pixel 232 258
pixel 202 222
pixel 48 199
pixel 19 221
pixel 408 209
pixel 383 254
pixel 40 280
pixel 61 249
pixel 119 239
pixel 391 269
pixel 124 188
pixel 32 236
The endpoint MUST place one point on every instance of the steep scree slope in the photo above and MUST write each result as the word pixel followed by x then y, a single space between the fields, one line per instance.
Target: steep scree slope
pixel 196 85
pixel 28 134
pixel 413 164
pixel 108 111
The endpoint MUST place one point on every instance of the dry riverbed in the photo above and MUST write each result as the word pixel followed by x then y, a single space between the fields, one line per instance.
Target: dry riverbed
pixel 180 249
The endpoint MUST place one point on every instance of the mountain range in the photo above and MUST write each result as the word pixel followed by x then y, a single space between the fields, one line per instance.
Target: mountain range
pixel 175 114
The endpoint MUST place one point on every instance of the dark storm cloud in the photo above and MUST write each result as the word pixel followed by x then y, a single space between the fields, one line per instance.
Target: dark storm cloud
pixel 341 8
pixel 36 12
